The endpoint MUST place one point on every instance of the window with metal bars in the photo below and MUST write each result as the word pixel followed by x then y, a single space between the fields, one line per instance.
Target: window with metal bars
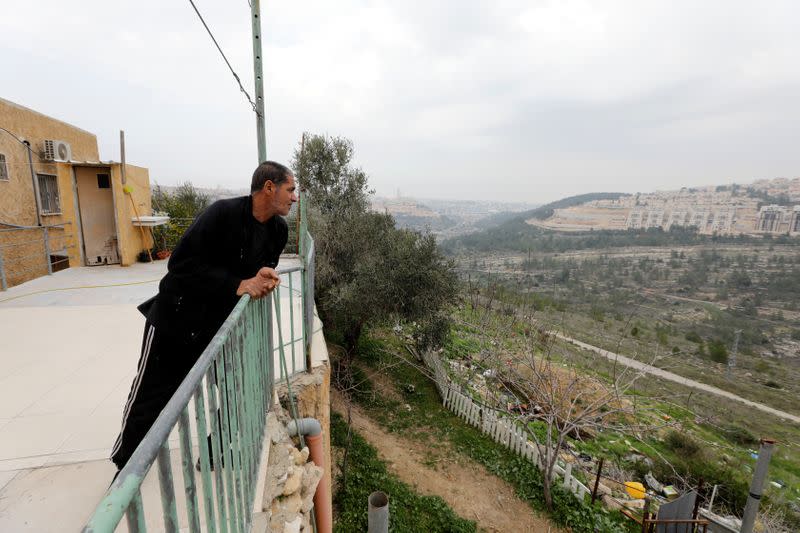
pixel 3 168
pixel 48 194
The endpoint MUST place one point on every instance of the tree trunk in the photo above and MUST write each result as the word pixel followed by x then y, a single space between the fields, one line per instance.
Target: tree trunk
pixel 351 337
pixel 548 496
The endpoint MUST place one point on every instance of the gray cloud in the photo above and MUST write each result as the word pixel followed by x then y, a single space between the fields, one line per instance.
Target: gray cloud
pixel 504 100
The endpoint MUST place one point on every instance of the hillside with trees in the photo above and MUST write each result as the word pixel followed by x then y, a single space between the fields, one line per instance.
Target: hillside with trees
pixel 720 311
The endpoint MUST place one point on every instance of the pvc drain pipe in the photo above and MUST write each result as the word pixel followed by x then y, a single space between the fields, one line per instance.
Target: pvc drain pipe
pixel 378 517
pixel 311 429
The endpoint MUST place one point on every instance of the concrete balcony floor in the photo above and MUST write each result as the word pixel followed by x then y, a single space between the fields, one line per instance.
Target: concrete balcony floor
pixel 69 347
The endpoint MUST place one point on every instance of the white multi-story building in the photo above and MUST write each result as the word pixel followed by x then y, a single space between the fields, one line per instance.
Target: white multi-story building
pixel 724 210
pixel 698 218
pixel 794 226
pixel 773 219
pixel 678 217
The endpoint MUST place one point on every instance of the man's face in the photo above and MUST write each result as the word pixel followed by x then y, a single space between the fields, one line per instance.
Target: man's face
pixel 285 195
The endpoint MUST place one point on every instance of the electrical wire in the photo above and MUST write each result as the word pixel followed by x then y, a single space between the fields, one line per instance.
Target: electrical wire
pixel 79 287
pixel 18 139
pixel 236 76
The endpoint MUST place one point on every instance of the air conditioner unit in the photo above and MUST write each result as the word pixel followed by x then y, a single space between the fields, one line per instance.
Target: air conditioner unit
pixel 57 151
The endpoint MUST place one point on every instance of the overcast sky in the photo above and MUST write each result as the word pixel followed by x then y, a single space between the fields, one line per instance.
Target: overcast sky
pixel 501 100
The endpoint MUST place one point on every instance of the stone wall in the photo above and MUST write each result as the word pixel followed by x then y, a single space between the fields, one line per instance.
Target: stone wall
pixel 288 505
pixel 313 396
pixel 291 480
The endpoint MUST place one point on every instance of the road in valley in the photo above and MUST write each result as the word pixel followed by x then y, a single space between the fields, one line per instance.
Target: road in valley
pixel 664 374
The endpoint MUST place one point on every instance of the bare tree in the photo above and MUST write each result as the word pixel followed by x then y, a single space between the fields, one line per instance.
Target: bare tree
pixel 565 402
pixel 539 385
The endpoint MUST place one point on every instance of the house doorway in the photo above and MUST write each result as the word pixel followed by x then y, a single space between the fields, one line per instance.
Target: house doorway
pixel 96 205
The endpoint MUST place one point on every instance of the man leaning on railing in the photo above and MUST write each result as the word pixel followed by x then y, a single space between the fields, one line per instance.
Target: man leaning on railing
pixel 230 250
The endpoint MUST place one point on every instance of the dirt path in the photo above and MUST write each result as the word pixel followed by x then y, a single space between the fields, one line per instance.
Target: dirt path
pixel 466 486
pixel 648 369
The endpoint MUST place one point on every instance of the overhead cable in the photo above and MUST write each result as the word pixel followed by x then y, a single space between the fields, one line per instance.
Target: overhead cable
pixel 236 76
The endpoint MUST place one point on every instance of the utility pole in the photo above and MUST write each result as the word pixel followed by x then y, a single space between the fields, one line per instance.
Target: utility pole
pixel 255 15
pixel 122 156
pixel 301 201
pixel 757 486
pixel 734 350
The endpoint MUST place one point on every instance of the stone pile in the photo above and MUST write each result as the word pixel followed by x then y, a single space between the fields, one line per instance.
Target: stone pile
pixel 290 484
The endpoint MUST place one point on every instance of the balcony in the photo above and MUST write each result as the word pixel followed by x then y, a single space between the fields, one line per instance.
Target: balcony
pixel 70 347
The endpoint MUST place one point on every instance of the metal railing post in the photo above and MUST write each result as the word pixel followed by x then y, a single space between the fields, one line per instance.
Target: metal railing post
pixel 306 333
pixel 308 298
pixel 291 323
pixel 271 343
pixel 47 251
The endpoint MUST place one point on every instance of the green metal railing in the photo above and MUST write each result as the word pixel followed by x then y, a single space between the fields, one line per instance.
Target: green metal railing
pixel 220 413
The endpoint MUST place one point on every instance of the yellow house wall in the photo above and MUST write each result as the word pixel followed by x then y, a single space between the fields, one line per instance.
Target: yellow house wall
pixel 26 258
pixel 23 255
pixel 23 250
pixel 17 202
pixel 131 240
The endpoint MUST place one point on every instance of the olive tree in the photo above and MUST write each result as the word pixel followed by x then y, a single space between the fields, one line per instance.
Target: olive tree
pixel 368 271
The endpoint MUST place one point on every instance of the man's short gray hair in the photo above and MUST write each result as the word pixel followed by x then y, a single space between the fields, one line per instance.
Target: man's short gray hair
pixel 269 171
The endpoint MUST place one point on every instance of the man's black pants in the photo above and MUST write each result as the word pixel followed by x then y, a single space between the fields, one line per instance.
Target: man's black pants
pixel 163 364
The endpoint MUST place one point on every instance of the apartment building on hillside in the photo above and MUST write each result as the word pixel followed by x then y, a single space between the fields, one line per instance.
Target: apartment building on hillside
pixel 779 219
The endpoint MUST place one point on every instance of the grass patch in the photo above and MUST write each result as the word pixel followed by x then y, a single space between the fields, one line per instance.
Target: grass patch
pixel 366 473
pixel 430 421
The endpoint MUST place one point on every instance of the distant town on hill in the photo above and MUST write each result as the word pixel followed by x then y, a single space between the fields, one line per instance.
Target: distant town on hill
pixel 448 218
pixel 444 218
pixel 764 206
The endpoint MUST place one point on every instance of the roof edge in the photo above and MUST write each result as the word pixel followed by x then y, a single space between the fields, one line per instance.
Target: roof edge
pixel 20 106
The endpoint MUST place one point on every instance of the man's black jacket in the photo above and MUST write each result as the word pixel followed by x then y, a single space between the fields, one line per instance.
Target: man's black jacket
pixel 223 246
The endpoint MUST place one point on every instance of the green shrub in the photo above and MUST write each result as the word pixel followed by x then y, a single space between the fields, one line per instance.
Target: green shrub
pixel 694 337
pixel 762 366
pixel 428 414
pixel 459 347
pixel 701 350
pixel 182 204
pixel 682 444
pixel 732 482
pixel 663 338
pixel 740 435
pixel 366 473
pixel 717 351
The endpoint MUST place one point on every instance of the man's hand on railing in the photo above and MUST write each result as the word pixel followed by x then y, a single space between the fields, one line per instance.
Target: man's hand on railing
pixel 270 278
pixel 259 285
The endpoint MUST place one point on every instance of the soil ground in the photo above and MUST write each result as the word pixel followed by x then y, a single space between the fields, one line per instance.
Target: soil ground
pixel 466 486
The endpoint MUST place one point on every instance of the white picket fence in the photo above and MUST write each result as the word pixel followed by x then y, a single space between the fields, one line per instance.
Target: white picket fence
pixel 502 430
